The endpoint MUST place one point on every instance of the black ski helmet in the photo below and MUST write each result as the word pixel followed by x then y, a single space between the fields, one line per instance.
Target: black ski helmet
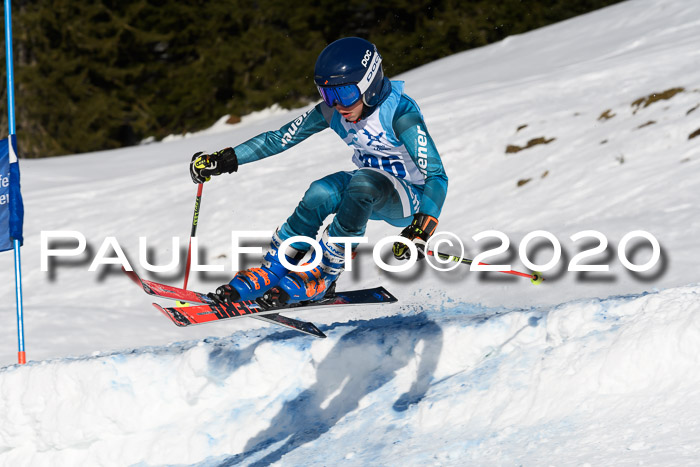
pixel 348 69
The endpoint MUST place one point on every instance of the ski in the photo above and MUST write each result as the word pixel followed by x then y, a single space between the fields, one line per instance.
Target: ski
pixel 305 327
pixel 207 309
pixel 199 314
pixel 157 289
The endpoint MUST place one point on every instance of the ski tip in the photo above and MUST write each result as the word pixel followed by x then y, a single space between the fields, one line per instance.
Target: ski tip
pixel 132 275
pixel 385 296
pixel 315 331
pixel 173 315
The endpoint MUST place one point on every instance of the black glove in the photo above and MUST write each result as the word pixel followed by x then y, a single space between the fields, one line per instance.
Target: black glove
pixel 203 166
pixel 420 230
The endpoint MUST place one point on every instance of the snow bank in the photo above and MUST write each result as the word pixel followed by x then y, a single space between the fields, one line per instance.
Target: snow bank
pixel 613 175
pixel 453 382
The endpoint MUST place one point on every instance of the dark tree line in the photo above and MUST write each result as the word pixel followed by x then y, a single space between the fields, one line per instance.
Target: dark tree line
pixel 100 74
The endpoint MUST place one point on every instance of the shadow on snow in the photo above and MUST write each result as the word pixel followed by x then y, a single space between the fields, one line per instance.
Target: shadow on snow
pixel 363 360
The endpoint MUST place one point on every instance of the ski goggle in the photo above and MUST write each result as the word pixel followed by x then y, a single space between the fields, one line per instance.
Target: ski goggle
pixel 348 94
pixel 345 95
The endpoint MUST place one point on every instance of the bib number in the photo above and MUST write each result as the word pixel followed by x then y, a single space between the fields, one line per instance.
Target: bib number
pixel 391 164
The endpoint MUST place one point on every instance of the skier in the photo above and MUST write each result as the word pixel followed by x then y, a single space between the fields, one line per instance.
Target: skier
pixel 400 179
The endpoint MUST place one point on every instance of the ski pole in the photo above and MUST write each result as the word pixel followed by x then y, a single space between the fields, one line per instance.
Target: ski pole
pixel 536 277
pixel 195 219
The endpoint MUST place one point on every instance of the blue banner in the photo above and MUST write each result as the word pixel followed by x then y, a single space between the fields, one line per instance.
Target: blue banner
pixel 11 206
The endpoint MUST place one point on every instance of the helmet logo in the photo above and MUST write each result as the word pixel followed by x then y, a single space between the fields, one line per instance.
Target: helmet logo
pixel 370 73
pixel 365 60
pixel 373 68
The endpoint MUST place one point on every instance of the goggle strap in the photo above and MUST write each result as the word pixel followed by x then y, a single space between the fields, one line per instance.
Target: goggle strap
pixel 373 66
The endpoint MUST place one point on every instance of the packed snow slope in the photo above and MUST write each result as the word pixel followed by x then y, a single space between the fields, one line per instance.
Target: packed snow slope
pixel 592 382
pixel 587 125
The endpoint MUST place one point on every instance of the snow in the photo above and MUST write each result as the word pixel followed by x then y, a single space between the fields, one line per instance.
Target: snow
pixel 222 124
pixel 589 368
pixel 597 380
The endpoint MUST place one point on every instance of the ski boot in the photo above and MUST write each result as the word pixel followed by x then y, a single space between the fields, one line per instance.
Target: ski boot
pixel 254 282
pixel 313 285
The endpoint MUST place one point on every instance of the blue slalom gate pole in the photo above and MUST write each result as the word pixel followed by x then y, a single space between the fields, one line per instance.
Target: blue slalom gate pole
pixel 21 355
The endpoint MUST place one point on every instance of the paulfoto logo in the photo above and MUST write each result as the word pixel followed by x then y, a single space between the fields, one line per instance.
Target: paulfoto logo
pixel 110 251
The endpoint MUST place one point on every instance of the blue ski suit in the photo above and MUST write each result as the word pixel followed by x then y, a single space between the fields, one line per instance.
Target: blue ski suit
pixel 399 173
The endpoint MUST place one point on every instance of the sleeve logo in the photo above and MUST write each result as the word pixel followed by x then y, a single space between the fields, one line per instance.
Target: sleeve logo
pixel 293 128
